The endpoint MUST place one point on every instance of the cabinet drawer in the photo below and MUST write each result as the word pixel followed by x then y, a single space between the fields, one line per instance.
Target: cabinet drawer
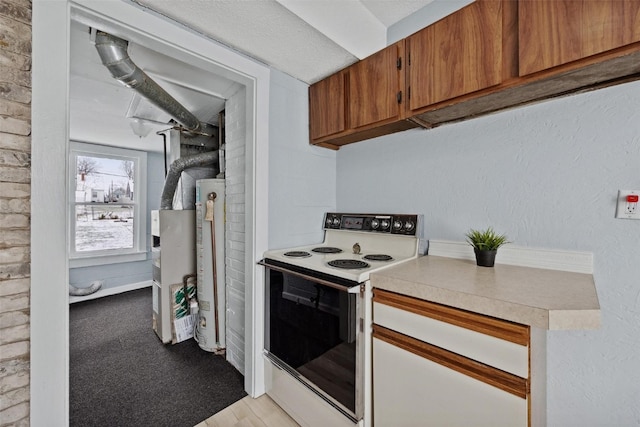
pixel 503 345
pixel 411 390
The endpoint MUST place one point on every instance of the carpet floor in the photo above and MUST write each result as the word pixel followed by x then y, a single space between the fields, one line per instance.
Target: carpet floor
pixel 122 375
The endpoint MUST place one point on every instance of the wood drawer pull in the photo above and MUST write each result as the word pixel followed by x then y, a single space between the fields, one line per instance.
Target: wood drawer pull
pixel 498 328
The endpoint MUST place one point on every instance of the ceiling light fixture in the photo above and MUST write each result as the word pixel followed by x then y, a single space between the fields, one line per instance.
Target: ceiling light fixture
pixel 140 128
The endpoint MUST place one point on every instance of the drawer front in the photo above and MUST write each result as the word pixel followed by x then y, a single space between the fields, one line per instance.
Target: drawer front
pixel 410 389
pixel 500 353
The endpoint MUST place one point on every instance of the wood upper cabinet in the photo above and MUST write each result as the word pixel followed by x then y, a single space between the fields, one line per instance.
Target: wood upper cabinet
pixel 375 87
pixel 460 54
pixel 553 33
pixel 487 56
pixel 327 106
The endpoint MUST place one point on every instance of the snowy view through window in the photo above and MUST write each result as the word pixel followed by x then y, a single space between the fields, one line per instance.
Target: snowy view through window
pixel 104 204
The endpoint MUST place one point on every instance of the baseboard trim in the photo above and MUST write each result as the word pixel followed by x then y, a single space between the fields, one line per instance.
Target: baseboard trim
pixel 111 291
pixel 551 259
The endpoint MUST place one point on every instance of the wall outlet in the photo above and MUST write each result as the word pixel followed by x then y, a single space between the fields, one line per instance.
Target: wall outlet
pixel 628 206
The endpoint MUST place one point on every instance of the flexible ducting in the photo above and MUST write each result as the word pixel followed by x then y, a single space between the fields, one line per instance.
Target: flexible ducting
pixel 114 56
pixel 176 168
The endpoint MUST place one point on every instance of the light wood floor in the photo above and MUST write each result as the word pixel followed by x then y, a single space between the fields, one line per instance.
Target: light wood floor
pixel 250 412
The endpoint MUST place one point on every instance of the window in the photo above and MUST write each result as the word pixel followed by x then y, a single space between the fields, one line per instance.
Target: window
pixel 107 209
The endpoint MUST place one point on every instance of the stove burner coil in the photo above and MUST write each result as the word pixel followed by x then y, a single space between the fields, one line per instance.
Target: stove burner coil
pixel 348 264
pixel 378 257
pixel 326 250
pixel 297 254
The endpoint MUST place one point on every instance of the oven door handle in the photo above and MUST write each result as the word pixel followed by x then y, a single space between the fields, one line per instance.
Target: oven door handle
pixel 313 279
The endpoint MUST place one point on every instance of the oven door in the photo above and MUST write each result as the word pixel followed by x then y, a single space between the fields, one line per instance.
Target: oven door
pixel 312 332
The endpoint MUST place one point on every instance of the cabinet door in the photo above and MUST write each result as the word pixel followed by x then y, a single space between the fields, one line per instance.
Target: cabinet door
pixel 460 54
pixel 410 390
pixel 553 33
pixel 375 84
pixel 327 106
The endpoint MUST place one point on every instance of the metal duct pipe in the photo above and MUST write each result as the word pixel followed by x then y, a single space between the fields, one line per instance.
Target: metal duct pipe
pixel 176 168
pixel 114 56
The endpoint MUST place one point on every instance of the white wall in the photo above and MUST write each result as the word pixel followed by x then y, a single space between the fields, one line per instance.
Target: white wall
pixel 432 12
pixel 302 178
pixel 235 155
pixel 547 175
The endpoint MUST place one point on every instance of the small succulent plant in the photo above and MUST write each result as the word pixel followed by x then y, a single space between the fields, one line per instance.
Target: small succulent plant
pixel 486 240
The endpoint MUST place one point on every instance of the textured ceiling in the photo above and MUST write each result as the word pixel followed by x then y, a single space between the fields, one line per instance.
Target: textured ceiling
pixel 307 39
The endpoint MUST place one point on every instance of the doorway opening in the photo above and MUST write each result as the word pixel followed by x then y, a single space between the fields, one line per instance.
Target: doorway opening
pixel 50 274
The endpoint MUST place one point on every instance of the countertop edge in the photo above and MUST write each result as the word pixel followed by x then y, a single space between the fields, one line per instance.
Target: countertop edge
pixel 399 279
pixel 478 304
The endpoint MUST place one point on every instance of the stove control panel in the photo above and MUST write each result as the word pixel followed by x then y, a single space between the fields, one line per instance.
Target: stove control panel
pixel 407 225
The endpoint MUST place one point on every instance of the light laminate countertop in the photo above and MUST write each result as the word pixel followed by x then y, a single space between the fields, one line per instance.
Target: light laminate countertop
pixel 547 299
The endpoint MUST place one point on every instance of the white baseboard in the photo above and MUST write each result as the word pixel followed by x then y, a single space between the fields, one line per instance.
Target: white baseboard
pixel 551 259
pixel 111 291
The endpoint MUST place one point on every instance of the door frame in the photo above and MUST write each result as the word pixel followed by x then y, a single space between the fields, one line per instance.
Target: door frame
pixel 49 340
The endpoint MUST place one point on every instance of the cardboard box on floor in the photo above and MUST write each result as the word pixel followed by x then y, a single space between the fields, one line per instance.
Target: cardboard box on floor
pixel 182 322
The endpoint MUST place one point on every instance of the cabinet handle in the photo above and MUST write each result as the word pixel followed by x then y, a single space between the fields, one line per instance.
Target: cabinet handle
pixel 502 329
pixel 399 97
pixel 399 64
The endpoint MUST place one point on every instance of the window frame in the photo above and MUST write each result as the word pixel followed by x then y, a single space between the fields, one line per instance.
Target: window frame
pixel 109 256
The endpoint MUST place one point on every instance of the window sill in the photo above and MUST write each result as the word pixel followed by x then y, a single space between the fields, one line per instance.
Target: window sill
pixel 106 259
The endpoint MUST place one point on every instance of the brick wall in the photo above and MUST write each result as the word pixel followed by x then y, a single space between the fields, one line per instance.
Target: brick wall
pixel 235 132
pixel 15 174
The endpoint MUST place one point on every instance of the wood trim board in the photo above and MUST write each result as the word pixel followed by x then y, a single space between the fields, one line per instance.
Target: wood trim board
pixel 502 329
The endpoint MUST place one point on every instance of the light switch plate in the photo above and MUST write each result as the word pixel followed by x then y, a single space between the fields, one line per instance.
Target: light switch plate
pixel 626 209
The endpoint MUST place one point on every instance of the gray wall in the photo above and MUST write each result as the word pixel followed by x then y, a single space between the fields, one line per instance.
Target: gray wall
pixel 302 178
pixel 548 176
pixel 434 11
pixel 114 275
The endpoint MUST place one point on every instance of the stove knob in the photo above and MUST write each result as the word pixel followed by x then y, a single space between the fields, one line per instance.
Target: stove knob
pixel 375 224
pixel 409 225
pixel 336 221
pixel 397 225
pixel 384 224
pixel 327 223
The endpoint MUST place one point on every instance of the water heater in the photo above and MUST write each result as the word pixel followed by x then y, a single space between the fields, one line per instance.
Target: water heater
pixel 210 252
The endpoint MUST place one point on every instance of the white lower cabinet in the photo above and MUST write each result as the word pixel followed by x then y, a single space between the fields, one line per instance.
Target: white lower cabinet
pixel 412 391
pixel 434 366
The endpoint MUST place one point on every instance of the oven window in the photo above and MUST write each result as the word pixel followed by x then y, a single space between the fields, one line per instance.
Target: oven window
pixel 312 328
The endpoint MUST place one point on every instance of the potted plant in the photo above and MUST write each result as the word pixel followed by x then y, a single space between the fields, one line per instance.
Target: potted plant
pixel 485 245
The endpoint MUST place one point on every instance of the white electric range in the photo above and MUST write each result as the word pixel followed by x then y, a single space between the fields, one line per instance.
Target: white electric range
pixel 355 245
pixel 318 310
